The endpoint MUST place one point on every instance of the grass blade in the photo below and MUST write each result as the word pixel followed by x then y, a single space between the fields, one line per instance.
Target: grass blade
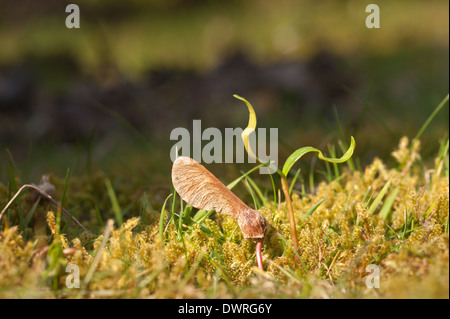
pixel 447 226
pixel 252 194
pixel 14 189
pixel 237 180
pixel 161 219
pixel 257 190
pixel 93 266
pixel 379 197
pixel 385 211
pixel 274 193
pixel 224 275
pixel 114 202
pixel 312 209
pixel 429 119
pixel 291 187
pixel 58 211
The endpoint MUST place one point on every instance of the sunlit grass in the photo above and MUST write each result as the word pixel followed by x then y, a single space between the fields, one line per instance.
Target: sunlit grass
pixel 338 237
pixel 394 217
pixel 197 37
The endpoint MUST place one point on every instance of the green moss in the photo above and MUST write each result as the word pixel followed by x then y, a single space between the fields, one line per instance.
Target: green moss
pixel 337 241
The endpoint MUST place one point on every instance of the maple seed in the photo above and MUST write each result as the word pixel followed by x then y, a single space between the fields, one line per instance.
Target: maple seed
pixel 201 189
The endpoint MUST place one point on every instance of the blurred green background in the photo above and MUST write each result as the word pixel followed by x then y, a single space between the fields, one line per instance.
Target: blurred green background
pixel 106 96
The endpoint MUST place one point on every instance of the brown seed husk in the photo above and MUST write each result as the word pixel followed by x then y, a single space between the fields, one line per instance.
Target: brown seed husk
pixel 201 189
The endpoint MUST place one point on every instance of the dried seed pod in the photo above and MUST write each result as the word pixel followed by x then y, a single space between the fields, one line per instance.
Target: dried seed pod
pixel 201 189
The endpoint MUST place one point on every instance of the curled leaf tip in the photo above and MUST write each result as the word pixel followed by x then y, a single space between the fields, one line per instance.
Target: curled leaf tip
pixel 294 157
pixel 250 127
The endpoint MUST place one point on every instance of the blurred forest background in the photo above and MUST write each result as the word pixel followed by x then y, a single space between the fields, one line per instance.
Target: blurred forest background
pixel 107 95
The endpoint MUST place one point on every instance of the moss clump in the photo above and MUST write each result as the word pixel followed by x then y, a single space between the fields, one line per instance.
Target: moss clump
pixel 405 236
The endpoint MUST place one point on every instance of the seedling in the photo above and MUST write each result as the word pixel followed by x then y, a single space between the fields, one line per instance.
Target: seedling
pixel 290 161
pixel 201 189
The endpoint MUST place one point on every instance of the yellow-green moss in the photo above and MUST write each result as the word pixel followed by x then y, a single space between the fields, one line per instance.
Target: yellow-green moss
pixel 337 242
